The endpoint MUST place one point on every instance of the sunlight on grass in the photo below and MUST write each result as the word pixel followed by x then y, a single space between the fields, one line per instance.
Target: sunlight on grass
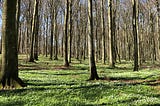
pixel 49 84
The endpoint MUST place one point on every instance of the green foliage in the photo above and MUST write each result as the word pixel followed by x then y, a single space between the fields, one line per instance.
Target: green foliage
pixel 51 84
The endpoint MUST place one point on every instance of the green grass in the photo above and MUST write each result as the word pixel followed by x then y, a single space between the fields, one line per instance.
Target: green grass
pixel 51 84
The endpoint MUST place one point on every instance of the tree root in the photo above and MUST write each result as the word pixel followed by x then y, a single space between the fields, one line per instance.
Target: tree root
pixel 11 83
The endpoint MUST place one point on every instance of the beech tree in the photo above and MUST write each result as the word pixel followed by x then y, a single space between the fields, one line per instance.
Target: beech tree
pixel 158 24
pixel 66 62
pixel 103 33
pixel 56 31
pixel 9 71
pixel 70 30
pixel 34 22
pixel 92 64
pixel 52 17
pixel 134 23
pixel 36 32
pixel 111 40
pixel 55 27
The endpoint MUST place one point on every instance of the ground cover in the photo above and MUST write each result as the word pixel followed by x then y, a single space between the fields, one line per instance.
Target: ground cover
pixel 51 84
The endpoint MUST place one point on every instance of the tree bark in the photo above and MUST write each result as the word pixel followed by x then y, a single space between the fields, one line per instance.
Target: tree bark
pixel 158 29
pixel 78 32
pixel 70 31
pixel 17 21
pixel 93 70
pixel 9 72
pixel 36 34
pixel 52 28
pixel 46 40
pixel 55 37
pixel 135 35
pixel 103 33
pixel 66 63
pixel 111 42
pixel 31 58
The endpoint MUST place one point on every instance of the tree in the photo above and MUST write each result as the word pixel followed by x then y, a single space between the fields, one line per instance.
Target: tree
pixel 70 31
pixel 55 33
pixel 134 24
pixel 9 72
pixel 36 32
pixel 97 37
pixel 158 29
pixel 111 42
pixel 103 32
pixel 78 10
pixel 35 13
pixel 17 17
pixel 66 63
pixel 52 8
pixel 92 64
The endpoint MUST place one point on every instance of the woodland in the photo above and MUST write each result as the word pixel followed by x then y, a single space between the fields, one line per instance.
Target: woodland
pixel 80 52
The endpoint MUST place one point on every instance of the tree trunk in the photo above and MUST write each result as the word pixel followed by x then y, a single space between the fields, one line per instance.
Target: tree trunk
pixel 114 30
pixel 36 35
pixel 9 72
pixel 56 39
pixel 17 21
pixel 103 33
pixel 111 42
pixel 153 49
pixel 70 32
pixel 97 56
pixel 28 32
pixel 52 17
pixel 51 40
pixel 85 43
pixel 46 42
pixel 66 63
pixel 158 29
pixel 134 23
pixel 31 58
pixel 77 33
pixel 93 70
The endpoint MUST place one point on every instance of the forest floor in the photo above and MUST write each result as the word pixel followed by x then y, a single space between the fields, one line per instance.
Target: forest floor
pixel 51 84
